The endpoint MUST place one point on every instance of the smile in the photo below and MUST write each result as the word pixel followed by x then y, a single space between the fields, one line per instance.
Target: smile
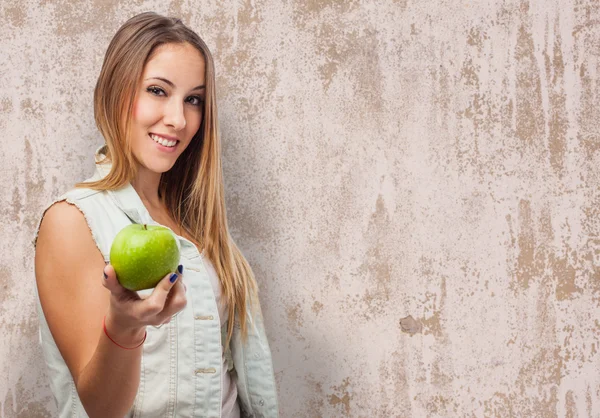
pixel 162 141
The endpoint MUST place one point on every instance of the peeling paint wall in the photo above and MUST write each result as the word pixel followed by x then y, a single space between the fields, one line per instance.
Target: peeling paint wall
pixel 415 184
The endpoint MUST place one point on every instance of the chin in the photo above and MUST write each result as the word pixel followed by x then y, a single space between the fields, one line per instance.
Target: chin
pixel 158 167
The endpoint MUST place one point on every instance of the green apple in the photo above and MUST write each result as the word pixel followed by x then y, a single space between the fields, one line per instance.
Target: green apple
pixel 143 254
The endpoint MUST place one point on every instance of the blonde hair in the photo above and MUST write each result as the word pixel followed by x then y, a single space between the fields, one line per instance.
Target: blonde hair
pixel 192 189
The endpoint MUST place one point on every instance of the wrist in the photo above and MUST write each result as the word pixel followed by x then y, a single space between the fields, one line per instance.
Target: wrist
pixel 124 336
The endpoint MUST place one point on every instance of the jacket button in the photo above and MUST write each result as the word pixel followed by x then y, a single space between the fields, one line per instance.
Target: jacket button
pixel 209 370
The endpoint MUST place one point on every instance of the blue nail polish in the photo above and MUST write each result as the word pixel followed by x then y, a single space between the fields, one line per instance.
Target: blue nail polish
pixel 173 277
pixel 180 269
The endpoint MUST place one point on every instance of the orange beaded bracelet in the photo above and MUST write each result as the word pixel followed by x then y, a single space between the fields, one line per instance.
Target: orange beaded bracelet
pixel 116 343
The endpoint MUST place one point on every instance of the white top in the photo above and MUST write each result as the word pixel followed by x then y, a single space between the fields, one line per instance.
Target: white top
pixel 231 408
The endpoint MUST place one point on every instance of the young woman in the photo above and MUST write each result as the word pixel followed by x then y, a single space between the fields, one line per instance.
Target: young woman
pixel 194 345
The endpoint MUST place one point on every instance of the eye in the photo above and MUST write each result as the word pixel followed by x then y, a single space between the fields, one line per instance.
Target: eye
pixel 155 90
pixel 195 100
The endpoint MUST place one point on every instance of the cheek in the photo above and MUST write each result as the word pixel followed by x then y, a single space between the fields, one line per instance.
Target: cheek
pixel 198 120
pixel 194 120
pixel 143 113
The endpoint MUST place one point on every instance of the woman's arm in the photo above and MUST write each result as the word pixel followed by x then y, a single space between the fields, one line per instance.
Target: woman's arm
pixel 68 268
pixel 75 297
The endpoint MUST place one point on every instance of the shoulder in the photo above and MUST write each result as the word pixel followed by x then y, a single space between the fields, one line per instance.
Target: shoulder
pixel 64 245
pixel 62 211
pixel 77 212
pixel 63 224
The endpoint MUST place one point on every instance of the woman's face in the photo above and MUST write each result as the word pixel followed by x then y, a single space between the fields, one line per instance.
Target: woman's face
pixel 167 111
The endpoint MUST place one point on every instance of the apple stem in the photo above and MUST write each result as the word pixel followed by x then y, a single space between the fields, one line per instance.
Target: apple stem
pixel 145 227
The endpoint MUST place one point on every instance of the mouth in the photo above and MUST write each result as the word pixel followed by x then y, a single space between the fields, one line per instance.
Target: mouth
pixel 163 142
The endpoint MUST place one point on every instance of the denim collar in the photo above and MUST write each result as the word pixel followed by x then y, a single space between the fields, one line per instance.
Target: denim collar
pixel 128 200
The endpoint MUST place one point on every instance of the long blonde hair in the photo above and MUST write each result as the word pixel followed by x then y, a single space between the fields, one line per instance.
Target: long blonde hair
pixel 192 189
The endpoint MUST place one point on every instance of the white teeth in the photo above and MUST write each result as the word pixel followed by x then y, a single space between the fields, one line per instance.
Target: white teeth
pixel 163 141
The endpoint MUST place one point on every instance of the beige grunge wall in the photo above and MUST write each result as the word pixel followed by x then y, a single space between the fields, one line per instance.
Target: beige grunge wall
pixel 415 184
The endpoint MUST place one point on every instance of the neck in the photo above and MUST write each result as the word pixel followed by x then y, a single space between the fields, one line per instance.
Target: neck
pixel 146 185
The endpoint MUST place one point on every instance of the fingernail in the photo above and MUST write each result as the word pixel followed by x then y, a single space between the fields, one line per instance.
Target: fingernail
pixel 173 277
pixel 105 276
pixel 180 269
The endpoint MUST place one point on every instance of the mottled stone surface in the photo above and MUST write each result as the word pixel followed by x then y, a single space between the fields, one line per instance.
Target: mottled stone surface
pixel 415 183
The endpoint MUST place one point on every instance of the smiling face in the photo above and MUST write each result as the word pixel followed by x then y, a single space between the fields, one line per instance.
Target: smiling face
pixel 167 110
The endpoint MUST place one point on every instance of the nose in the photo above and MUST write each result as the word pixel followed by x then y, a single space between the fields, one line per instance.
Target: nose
pixel 174 114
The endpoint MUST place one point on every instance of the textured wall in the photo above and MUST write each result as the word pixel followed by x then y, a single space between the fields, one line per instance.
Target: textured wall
pixel 415 184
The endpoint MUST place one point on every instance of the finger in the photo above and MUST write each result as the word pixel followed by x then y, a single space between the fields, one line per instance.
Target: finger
pixel 179 286
pixel 176 300
pixel 111 282
pixel 158 297
pixel 180 281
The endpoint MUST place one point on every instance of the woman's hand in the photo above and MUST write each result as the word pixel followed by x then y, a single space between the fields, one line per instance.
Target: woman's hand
pixel 128 311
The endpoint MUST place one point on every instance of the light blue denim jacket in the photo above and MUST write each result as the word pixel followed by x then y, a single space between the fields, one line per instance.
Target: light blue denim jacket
pixel 181 361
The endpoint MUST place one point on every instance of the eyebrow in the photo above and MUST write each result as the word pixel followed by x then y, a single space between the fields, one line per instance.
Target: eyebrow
pixel 170 83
